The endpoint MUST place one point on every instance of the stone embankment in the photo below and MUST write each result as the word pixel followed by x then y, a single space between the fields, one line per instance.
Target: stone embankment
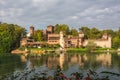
pixel 18 51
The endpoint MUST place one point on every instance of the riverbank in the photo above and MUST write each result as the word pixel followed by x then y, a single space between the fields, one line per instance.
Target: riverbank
pixel 53 50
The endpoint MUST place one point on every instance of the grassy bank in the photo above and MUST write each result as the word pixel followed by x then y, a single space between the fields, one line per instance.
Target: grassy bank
pixel 71 50
pixel 76 50
pixel 97 50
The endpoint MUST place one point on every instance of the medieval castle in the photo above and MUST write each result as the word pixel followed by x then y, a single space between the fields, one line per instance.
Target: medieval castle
pixel 69 41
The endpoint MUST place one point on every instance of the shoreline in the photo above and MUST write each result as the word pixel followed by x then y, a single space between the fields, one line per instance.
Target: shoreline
pixel 44 50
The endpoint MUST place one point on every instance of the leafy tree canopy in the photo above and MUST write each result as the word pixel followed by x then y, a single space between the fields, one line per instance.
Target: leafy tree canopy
pixel 38 36
pixel 74 32
pixel 62 27
pixel 10 35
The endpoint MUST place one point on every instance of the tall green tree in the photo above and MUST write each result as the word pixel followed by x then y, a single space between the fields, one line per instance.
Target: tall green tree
pixel 62 27
pixel 10 37
pixel 116 42
pixel 38 36
pixel 109 32
pixel 91 46
pixel 74 32
pixel 94 33
pixel 86 31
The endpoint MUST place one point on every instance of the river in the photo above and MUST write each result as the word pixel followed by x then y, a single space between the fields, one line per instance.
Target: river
pixel 69 63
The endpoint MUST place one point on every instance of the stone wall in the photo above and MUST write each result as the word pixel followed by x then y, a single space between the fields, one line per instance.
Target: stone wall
pixel 101 43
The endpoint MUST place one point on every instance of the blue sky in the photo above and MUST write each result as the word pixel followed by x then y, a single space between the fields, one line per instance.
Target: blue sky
pixel 102 14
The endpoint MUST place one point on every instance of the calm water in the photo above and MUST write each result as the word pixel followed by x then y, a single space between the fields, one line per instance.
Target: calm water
pixel 69 63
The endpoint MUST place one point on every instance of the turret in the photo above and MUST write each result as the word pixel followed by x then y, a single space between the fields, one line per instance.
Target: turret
pixel 62 42
pixel 50 29
pixel 31 31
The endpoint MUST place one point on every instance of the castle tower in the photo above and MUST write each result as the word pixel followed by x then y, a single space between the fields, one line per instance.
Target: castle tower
pixel 31 30
pixel 50 29
pixel 62 42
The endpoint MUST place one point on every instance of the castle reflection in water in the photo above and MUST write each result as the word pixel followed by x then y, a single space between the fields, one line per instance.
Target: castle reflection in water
pixel 84 61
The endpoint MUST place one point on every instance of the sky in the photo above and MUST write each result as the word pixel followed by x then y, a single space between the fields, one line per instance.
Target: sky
pixel 102 14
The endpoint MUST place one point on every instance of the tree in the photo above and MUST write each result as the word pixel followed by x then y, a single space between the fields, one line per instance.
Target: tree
pixel 38 36
pixel 91 46
pixel 94 33
pixel 10 36
pixel 74 32
pixel 61 27
pixel 86 31
pixel 110 32
pixel 116 42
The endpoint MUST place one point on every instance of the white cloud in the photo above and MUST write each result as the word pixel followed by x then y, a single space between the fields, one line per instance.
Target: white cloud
pixel 44 3
pixel 75 12
pixel 2 2
pixel 92 11
pixel 11 12
pixel 89 18
pixel 74 17
pixel 100 17
pixel 2 13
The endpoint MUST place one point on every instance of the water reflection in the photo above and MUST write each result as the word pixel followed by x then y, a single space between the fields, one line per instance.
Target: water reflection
pixel 70 61
pixel 118 53
pixel 77 59
pixel 29 65
pixel 9 64
pixel 104 59
pixel 23 58
pixel 62 58
pixel 67 60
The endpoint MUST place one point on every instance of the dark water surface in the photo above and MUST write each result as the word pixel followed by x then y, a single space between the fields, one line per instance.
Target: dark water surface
pixel 69 63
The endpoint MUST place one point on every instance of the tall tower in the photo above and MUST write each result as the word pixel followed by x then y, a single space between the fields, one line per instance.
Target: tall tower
pixel 62 42
pixel 31 31
pixel 50 29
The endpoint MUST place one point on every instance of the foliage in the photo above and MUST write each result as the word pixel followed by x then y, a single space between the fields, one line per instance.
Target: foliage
pixel 89 33
pixel 94 33
pixel 116 39
pixel 109 31
pixel 59 75
pixel 50 45
pixel 86 31
pixel 10 36
pixel 91 46
pixel 74 32
pixel 116 42
pixel 38 36
pixel 76 50
pixel 62 27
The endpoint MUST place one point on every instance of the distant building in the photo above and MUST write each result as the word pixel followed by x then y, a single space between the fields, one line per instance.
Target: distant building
pixel 25 41
pixel 104 42
pixel 50 29
pixel 45 35
pixel 53 38
pixel 69 41
pixel 31 31
pixel 30 43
